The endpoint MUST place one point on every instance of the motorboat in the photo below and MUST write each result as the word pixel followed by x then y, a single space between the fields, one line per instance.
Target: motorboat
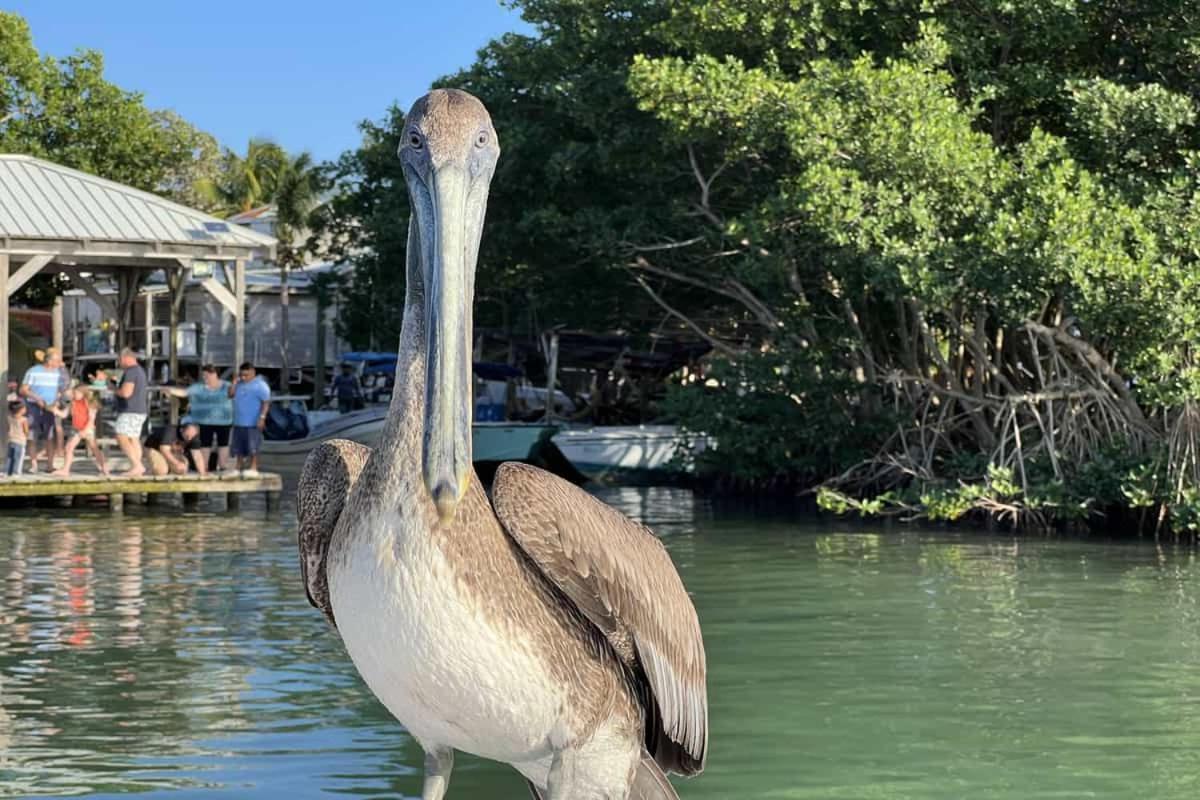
pixel 493 441
pixel 631 453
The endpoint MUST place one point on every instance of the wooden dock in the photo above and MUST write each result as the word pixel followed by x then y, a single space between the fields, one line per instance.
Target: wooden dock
pixel 117 488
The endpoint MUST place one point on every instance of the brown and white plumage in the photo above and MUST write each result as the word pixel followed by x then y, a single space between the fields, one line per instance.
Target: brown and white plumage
pixel 328 476
pixel 547 630
pixel 619 575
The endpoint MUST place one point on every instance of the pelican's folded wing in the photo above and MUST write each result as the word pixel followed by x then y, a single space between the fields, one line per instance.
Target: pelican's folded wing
pixel 621 578
pixel 328 476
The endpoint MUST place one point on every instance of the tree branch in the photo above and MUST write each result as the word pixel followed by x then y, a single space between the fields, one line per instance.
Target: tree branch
pixel 715 343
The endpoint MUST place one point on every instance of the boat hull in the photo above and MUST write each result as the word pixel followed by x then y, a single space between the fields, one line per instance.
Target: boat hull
pixel 491 441
pixel 628 453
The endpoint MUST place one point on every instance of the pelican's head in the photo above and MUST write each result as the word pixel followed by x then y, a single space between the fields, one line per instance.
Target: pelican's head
pixel 449 151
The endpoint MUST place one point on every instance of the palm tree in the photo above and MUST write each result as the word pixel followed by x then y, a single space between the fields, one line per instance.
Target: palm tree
pixel 265 175
pixel 297 196
pixel 247 181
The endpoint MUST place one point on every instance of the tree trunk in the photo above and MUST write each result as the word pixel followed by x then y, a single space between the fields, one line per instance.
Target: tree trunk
pixel 284 326
pixel 319 357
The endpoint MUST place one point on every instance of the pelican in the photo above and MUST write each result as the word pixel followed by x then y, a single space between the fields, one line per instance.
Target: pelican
pixel 541 628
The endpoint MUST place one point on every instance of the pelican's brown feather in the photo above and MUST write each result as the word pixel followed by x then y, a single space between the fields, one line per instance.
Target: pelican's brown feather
pixel 621 578
pixel 328 476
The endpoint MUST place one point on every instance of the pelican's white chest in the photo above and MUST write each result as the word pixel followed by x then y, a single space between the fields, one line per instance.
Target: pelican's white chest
pixel 430 650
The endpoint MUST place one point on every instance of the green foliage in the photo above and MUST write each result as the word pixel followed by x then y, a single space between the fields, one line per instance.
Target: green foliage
pixel 66 111
pixel 366 222
pixel 863 205
pixel 771 417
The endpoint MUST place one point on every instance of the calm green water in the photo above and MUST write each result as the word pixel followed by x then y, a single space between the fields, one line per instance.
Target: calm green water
pixel 174 655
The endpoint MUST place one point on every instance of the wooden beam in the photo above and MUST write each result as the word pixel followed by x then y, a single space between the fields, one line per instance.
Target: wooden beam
pixel 4 351
pixel 150 252
pixel 221 295
pixel 26 271
pixel 239 318
pixel 85 285
pixel 56 324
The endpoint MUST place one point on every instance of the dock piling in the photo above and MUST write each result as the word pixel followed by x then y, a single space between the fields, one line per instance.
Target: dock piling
pixel 118 490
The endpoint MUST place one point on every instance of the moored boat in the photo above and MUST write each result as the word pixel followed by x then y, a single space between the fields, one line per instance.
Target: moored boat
pixel 491 441
pixel 630 453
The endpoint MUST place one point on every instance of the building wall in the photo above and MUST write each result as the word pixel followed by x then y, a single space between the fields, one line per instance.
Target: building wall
pixel 263 326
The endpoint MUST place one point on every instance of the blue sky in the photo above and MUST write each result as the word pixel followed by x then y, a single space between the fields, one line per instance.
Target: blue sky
pixel 303 72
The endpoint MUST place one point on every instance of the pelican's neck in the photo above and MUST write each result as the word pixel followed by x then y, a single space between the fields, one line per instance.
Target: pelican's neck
pixel 407 407
pixel 400 448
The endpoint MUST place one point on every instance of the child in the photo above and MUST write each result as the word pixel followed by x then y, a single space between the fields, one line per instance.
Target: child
pixel 18 435
pixel 83 410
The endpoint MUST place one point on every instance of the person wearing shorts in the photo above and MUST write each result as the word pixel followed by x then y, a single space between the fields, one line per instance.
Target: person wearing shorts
pixel 211 408
pixel 132 409
pixel 40 388
pixel 83 411
pixel 18 435
pixel 251 401
pixel 173 450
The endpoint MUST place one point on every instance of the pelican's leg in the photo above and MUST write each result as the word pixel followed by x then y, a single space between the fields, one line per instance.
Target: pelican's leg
pixel 438 764
pixel 561 779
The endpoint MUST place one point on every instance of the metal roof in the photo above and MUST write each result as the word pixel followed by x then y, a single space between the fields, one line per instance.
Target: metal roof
pixel 43 200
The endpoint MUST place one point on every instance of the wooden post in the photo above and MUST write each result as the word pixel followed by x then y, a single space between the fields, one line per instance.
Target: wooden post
pixel 116 501
pixel 551 376
pixel 124 310
pixel 239 319
pixel 233 501
pixel 175 285
pixel 4 350
pixel 149 338
pixel 284 327
pixel 319 357
pixel 56 324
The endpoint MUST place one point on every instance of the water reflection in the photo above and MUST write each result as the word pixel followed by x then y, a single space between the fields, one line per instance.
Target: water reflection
pixel 174 654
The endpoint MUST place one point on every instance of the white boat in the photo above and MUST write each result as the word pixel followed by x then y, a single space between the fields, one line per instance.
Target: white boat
pixel 491 441
pixel 629 453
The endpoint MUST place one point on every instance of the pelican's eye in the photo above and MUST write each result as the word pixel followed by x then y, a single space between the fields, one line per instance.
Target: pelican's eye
pixel 481 139
pixel 414 140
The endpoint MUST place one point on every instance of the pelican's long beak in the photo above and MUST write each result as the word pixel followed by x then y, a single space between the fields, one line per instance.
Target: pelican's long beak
pixel 449 285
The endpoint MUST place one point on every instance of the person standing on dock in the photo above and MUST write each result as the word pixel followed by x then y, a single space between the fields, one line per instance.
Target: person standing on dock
pixel 131 411
pixel 40 388
pixel 84 410
pixel 347 391
pixel 18 434
pixel 210 406
pixel 251 402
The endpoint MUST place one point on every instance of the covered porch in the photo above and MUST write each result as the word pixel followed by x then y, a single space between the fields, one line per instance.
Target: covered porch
pixel 60 221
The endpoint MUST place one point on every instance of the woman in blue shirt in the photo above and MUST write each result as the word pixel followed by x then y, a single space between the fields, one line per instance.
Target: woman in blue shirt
pixel 210 407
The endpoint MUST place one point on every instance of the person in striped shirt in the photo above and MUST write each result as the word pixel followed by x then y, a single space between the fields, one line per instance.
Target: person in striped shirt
pixel 41 389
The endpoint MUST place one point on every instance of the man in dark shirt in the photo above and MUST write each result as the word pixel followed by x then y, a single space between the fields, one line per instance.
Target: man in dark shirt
pixel 346 389
pixel 172 450
pixel 131 411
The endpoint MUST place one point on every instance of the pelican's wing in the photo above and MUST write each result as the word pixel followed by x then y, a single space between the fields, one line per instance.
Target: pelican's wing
pixel 329 473
pixel 620 576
